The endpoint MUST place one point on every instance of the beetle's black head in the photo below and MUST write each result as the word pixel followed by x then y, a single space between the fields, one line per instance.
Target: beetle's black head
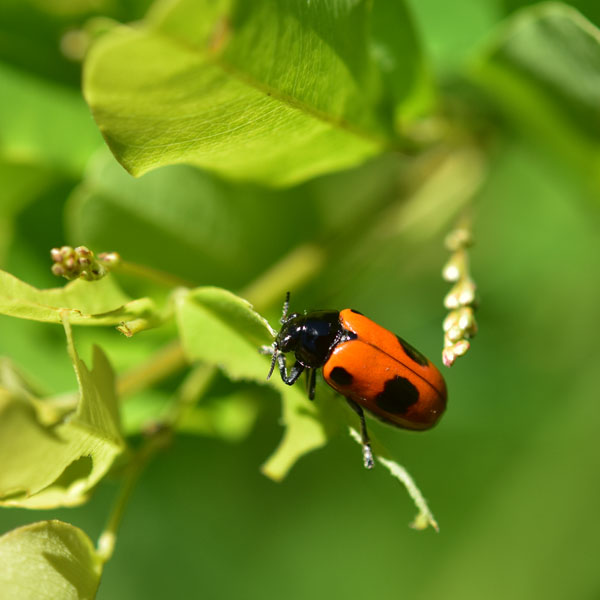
pixel 311 336
pixel 290 335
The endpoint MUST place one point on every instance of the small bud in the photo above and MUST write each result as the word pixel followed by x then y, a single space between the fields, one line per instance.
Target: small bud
pixel 460 323
pixel 109 259
pixel 80 262
pixel 459 238
pixel 456 267
pixel 450 320
pixel 83 251
pixel 451 353
pixel 461 294
pixel 466 321
pixel 455 333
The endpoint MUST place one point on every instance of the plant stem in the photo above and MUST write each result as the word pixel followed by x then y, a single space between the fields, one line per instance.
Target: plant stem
pixel 292 271
pixel 154 275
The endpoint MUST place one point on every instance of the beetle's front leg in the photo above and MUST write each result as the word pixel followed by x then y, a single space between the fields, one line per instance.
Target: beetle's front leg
pixel 295 371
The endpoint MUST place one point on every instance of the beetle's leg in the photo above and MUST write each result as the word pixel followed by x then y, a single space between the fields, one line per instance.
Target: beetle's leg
pixel 366 444
pixel 311 381
pixel 272 350
pixel 295 371
pixel 286 306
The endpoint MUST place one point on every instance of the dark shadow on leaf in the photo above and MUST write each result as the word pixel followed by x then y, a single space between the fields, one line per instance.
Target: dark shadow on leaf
pixel 80 468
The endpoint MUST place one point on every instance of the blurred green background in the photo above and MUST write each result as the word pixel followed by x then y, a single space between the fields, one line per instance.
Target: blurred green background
pixel 511 472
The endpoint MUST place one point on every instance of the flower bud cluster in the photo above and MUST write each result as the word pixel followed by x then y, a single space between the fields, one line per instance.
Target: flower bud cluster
pixel 73 263
pixel 460 324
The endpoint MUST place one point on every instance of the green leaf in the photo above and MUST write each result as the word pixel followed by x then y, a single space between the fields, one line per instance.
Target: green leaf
pixel 48 560
pixel 396 48
pixel 47 464
pixel 270 91
pixel 88 303
pixel 543 69
pixel 208 230
pixel 450 36
pixel 221 329
pixel 308 426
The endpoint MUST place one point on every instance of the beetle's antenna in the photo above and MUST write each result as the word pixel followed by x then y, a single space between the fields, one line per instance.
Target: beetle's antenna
pixel 273 361
pixel 286 306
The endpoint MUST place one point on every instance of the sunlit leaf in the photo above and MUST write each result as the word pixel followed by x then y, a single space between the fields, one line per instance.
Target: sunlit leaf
pixel 269 91
pixel 308 426
pixel 48 560
pixel 221 329
pixel 88 302
pixel 55 464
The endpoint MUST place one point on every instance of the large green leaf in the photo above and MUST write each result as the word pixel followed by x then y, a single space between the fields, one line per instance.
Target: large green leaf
pixel 48 560
pixel 88 302
pixel 54 462
pixel 543 69
pixel 270 90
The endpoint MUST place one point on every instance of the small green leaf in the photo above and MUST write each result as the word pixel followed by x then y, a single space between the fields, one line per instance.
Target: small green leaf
pixel 88 302
pixel 270 91
pixel 48 560
pixel 220 328
pixel 543 69
pixel 308 426
pixel 56 464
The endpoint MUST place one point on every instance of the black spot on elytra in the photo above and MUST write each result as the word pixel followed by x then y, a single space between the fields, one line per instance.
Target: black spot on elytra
pixel 397 396
pixel 413 353
pixel 356 312
pixel 340 376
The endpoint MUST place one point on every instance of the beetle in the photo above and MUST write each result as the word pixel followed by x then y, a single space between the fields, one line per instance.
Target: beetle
pixel 371 367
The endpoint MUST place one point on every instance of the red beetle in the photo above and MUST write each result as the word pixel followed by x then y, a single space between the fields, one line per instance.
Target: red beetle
pixel 373 368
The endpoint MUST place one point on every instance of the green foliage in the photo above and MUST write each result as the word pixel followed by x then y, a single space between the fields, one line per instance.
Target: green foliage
pixel 101 303
pixel 306 99
pixel 543 69
pixel 321 147
pixel 52 457
pixel 55 553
